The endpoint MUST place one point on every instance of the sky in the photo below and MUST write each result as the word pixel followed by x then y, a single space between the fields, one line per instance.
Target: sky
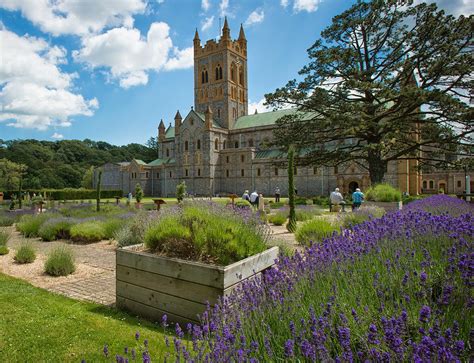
pixel 110 70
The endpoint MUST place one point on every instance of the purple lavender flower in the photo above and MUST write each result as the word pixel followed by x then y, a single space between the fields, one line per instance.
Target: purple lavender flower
pixel 137 335
pixel 106 350
pixel 289 344
pixel 425 314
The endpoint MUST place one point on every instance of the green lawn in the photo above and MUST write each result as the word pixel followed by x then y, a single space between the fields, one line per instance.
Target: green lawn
pixel 39 326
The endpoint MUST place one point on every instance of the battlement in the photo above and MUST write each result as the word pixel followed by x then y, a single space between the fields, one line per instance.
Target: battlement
pixel 213 46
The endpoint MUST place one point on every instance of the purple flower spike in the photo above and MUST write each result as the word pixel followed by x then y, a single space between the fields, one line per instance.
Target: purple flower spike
pixel 106 350
pixel 425 314
pixel 289 344
pixel 137 335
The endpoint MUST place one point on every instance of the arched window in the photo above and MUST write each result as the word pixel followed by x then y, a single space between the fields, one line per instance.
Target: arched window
pixel 224 144
pixel 216 144
pixel 251 143
pixel 218 113
pixel 167 153
pixel 234 113
pixel 425 184
pixel 220 72
pixel 241 76
pixel 199 172
pixel 232 72
pixel 431 184
pixel 203 77
pixel 199 144
pixel 217 73
pixel 207 77
pixel 236 144
pixel 186 146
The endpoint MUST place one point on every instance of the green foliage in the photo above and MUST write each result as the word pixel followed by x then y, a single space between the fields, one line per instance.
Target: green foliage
pixel 278 219
pixel 383 193
pixel 4 237
pixel 217 236
pixel 11 174
pixel 301 201
pixel 88 232
pixel 276 205
pixel 29 225
pixel 291 225
pixel 63 164
pixel 56 228
pixel 242 204
pixel 180 191
pixel 4 250
pixel 321 200
pixel 314 230
pixel 88 178
pixel 304 215
pixel 134 232
pixel 70 193
pixel 112 226
pixel 60 262
pixel 391 107
pixel 6 220
pixel 25 254
pixel 361 215
pixel 138 193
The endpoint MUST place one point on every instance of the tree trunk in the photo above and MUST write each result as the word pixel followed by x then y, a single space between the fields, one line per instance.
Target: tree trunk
pixel 99 181
pixel 291 225
pixel 377 167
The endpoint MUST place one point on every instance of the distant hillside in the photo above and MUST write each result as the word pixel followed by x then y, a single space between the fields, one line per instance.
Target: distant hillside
pixel 64 163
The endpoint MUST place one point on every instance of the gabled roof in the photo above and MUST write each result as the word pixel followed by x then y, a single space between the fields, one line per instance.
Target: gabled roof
pixel 202 116
pixel 169 134
pixel 264 118
pixel 158 162
pixel 139 162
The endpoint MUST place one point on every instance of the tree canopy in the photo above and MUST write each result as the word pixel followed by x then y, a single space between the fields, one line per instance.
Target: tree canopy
pixel 65 163
pixel 387 80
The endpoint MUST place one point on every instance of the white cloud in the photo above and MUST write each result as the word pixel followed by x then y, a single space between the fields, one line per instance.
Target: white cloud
pixel 205 5
pixel 259 106
pixel 455 7
pixel 223 7
pixel 284 3
pixel 182 59
pixel 207 23
pixel 306 5
pixel 34 91
pixel 255 17
pixel 57 136
pixel 128 56
pixel 77 17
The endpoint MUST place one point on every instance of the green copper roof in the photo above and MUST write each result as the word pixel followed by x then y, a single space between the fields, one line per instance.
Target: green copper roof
pixel 203 117
pixel 273 154
pixel 158 162
pixel 262 119
pixel 169 133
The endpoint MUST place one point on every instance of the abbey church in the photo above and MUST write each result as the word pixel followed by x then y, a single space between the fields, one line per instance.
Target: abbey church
pixel 219 148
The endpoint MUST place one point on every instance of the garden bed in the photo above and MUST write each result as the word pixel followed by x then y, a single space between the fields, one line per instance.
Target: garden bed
pixel 150 285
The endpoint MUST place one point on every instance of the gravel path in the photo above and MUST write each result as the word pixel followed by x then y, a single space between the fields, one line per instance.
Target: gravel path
pixel 93 280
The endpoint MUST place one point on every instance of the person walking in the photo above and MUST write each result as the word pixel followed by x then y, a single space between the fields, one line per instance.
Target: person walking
pixel 254 198
pixel 246 196
pixel 277 195
pixel 357 199
pixel 336 199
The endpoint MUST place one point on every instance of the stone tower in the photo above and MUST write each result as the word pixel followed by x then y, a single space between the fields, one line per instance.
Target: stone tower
pixel 220 77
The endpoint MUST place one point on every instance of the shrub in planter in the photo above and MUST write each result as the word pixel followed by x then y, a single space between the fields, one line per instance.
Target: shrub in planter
pixel 383 193
pixel 60 262
pixel 314 230
pixel 134 232
pixel 90 231
pixel 25 254
pixel 56 228
pixel 168 232
pixel 29 225
pixel 278 219
pixel 4 250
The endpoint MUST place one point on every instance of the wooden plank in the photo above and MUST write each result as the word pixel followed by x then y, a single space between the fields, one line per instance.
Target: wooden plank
pixel 150 312
pixel 184 270
pixel 242 270
pixel 168 285
pixel 167 303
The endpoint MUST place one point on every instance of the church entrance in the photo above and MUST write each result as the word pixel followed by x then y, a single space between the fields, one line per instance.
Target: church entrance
pixel 353 186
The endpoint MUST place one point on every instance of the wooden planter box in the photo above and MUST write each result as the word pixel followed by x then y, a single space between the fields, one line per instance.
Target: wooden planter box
pixel 388 206
pixel 150 286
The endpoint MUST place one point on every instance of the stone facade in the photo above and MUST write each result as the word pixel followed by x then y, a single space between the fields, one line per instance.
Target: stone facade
pixel 219 149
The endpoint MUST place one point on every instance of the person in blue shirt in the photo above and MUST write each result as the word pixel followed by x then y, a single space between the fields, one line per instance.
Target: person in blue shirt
pixel 357 199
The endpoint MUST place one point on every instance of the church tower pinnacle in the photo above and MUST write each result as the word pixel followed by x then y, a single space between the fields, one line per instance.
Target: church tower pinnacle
pixel 220 77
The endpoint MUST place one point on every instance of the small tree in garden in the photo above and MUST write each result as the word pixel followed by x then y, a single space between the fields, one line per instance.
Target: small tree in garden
pixel 138 193
pixel 99 182
pixel 180 191
pixel 291 225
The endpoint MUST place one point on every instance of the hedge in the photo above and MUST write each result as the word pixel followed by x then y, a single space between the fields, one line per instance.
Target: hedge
pixel 68 193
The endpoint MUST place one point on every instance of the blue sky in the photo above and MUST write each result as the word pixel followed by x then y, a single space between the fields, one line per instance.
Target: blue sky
pixel 111 69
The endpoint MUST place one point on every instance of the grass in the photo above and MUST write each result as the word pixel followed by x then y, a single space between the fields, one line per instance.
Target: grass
pixel 38 326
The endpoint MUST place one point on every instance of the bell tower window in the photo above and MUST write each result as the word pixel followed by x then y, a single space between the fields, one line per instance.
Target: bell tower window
pixel 241 76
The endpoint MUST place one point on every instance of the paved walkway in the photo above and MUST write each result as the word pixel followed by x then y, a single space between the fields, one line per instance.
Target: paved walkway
pixel 93 280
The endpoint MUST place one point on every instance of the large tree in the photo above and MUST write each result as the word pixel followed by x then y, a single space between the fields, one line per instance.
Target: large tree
pixel 386 81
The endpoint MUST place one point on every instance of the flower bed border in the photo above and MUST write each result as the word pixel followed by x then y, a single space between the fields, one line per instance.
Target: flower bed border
pixel 388 206
pixel 150 285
